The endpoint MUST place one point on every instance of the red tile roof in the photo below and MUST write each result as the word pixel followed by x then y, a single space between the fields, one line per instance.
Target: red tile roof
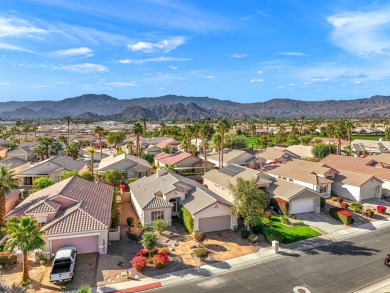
pixel 172 159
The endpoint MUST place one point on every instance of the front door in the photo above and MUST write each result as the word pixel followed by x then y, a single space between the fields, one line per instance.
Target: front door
pixel 175 209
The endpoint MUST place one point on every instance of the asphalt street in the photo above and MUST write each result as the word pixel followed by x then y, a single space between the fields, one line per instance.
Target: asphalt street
pixel 343 266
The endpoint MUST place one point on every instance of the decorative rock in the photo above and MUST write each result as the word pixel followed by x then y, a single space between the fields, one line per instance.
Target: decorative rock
pixel 136 277
pixel 171 249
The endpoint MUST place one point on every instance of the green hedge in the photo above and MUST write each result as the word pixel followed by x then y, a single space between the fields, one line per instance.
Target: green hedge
pixel 271 234
pixel 245 234
pixel 186 219
pixel 342 215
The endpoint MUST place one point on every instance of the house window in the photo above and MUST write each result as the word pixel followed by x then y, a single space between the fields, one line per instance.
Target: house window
pixel 323 189
pixel 157 215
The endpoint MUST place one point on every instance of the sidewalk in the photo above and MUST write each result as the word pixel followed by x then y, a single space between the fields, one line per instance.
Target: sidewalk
pixel 381 287
pixel 264 255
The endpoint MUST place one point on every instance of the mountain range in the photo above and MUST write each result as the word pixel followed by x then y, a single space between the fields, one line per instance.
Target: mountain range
pixel 173 107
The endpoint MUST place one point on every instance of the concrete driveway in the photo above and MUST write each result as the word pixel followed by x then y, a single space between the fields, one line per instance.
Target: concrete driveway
pixel 321 222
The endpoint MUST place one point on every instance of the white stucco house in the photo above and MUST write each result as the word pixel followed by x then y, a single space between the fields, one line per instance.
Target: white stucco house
pixel 161 196
pixel 71 212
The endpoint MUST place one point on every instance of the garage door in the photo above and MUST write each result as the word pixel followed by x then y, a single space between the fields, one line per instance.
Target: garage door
pixel 214 223
pixel 368 193
pixel 302 206
pixel 85 244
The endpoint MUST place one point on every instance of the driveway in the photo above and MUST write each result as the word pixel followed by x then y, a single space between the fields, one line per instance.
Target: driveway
pixel 321 222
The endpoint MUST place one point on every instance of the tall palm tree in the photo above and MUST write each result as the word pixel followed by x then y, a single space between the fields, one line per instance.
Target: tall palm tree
pixel 34 129
pixel 339 132
pixel 90 151
pixel 349 126
pixel 267 120
pixel 57 147
pixel 222 127
pixel 130 146
pixel 252 128
pixel 24 235
pixel 26 129
pixel 329 128
pixel 73 149
pixel 45 142
pixel 187 131
pixel 196 128
pixel 100 131
pixel 302 118
pixel 68 119
pixel 40 151
pixel 137 130
pixel 17 125
pixel 217 141
pixel 7 182
pixel 205 132
pixel 143 120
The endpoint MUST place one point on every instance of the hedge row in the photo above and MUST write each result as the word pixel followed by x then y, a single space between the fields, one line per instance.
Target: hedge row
pixel 342 215
pixel 186 219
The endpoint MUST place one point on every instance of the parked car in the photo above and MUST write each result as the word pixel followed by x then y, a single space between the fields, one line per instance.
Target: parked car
pixel 63 265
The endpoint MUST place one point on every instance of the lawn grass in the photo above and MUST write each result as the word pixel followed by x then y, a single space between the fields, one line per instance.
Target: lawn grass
pixel 293 233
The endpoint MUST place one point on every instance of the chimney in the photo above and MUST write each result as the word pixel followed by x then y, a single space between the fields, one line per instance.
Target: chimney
pixel 160 172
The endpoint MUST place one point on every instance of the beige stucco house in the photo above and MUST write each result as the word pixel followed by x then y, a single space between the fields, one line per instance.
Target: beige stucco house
pixel 182 162
pixel 129 166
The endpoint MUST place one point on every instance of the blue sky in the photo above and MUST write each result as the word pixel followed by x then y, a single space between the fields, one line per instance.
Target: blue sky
pixel 245 51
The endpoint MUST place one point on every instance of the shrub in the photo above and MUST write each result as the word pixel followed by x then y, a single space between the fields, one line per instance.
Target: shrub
pixel 292 216
pixel 322 202
pixel 333 198
pixel 139 263
pixel 356 207
pixel 253 238
pixel 84 289
pixel 339 199
pixel 266 222
pixel 271 234
pixel 344 205
pixel 342 215
pixel 283 205
pixel 115 218
pixel 160 225
pixel 200 237
pixel 7 259
pixel 381 209
pixel 202 253
pixel 160 260
pixel 187 219
pixel 258 229
pixel 135 233
pixel 267 214
pixel 284 220
pixel 130 180
pixel 142 252
pixel 164 250
pixel 245 234
pixel 369 213
pixel 130 221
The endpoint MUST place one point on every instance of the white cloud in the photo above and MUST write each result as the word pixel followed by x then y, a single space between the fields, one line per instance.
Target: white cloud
pixel 83 51
pixel 172 67
pixel 61 82
pixel 87 86
pixel 157 59
pixel 319 79
pixel 257 80
pixel 161 88
pixel 16 27
pixel 239 55
pixel 358 82
pixel 291 53
pixel 210 77
pixel 122 84
pixel 351 74
pixel 5 83
pixel 10 47
pixel 281 87
pixel 362 32
pixel 84 67
pixel 260 72
pixel 292 84
pixel 163 46
pixel 42 86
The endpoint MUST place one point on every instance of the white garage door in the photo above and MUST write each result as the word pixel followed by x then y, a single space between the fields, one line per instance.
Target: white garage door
pixel 302 206
pixel 86 244
pixel 367 193
pixel 214 223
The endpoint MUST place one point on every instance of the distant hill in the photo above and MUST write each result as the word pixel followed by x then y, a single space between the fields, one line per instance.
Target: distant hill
pixel 172 106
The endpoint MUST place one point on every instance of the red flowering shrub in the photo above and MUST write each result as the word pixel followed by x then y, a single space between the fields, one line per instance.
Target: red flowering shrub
pixel 160 260
pixel 283 205
pixel 342 215
pixel 369 213
pixel 139 263
pixel 142 252
pixel 381 209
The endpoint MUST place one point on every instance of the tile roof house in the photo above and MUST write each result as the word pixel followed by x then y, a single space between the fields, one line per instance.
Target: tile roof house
pixel 10 199
pixel 3 152
pixel 238 157
pixel 129 166
pixel 24 152
pixel 74 211
pixel 300 151
pixel 363 166
pixel 182 162
pixel 310 174
pixel 15 164
pixel 363 147
pixel 169 143
pixel 52 167
pixel 162 195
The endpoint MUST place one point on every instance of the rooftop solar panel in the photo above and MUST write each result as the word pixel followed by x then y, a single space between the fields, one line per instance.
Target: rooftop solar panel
pixel 232 170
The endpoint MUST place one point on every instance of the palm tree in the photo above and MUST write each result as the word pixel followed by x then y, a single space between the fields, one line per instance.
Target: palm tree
pixel 149 241
pixel 187 131
pixel 68 119
pixel 222 127
pixel 339 132
pixel 329 128
pixel 349 125
pixel 100 131
pixel 17 125
pixel 137 130
pixel 26 129
pixel 252 128
pixel 196 129
pixel 267 120
pixel 73 149
pixel 34 129
pixel 143 120
pixel 302 118
pixel 90 151
pixel 25 236
pixel 57 147
pixel 45 142
pixel 217 140
pixel 40 151
pixel 130 146
pixel 7 182
pixel 205 132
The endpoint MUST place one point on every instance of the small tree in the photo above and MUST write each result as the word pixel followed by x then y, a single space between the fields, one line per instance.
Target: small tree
pixel 149 241
pixel 25 236
pixel 113 177
pixel 160 225
pixel 41 183
pixel 248 201
pixel 67 174
pixel 87 176
pixel 200 237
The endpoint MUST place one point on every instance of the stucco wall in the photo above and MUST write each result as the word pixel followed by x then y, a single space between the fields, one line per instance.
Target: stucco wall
pixel 214 210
